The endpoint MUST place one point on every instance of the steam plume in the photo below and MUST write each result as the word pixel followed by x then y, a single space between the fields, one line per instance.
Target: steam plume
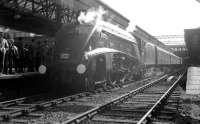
pixel 131 27
pixel 91 15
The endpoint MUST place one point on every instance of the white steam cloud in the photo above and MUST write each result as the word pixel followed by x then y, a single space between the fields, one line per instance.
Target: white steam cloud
pixel 91 15
pixel 131 27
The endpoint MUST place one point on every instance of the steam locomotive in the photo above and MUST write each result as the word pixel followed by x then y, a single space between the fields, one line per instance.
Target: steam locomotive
pixel 95 54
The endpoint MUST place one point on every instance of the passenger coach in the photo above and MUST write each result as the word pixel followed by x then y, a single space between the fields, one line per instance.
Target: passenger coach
pixel 154 53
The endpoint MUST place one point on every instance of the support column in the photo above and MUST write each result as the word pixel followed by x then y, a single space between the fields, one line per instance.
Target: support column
pixel 59 10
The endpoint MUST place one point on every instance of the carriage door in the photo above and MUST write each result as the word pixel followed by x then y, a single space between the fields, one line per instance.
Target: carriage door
pixel 100 73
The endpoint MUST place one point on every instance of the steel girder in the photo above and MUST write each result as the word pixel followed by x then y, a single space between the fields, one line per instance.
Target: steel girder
pixel 53 10
pixel 169 36
pixel 37 16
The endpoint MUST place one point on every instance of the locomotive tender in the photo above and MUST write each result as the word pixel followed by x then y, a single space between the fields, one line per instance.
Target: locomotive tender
pixel 99 53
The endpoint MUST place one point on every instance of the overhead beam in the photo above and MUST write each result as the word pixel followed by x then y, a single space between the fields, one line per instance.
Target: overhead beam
pixel 169 36
pixel 49 14
pixel 27 22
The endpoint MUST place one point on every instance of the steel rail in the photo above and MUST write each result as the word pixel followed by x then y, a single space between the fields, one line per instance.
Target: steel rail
pixel 146 79
pixel 19 100
pixel 77 119
pixel 95 110
pixel 146 118
pixel 14 101
pixel 34 107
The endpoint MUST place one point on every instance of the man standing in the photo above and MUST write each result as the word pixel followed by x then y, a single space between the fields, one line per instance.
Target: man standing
pixel 3 49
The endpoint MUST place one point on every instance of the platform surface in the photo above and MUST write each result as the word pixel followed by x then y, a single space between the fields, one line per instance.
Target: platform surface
pixel 193 80
pixel 18 75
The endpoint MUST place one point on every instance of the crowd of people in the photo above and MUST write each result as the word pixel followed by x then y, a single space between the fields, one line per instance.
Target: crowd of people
pixel 17 56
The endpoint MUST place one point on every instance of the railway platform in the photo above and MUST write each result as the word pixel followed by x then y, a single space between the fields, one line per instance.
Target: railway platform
pixel 18 75
pixel 21 84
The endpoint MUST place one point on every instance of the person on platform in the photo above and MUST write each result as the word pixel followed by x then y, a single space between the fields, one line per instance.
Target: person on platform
pixel 26 58
pixel 38 56
pixel 31 56
pixel 9 54
pixel 46 53
pixel 20 59
pixel 15 58
pixel 3 49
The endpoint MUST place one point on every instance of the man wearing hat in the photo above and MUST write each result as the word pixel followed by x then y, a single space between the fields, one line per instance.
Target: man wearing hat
pixel 3 49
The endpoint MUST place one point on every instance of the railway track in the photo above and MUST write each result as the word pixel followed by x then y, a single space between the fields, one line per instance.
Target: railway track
pixel 138 106
pixel 10 110
pixel 18 110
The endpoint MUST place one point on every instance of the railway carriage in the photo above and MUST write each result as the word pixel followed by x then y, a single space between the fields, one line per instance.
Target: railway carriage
pixel 150 54
pixel 154 54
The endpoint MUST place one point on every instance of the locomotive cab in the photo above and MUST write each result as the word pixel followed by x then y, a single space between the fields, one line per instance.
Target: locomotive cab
pixel 110 67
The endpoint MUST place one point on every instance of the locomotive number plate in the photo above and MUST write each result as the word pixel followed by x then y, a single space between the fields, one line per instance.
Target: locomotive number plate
pixel 64 56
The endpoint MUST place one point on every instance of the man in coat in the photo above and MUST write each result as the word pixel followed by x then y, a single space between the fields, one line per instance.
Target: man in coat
pixel 3 48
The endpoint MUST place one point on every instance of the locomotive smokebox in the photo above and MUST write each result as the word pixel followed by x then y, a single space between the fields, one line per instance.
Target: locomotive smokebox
pixel 72 39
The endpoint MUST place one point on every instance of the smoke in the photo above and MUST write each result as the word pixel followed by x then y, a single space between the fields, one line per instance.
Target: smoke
pixel 131 27
pixel 91 15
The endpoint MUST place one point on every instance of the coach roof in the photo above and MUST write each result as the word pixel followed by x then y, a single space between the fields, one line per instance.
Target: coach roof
pixel 115 30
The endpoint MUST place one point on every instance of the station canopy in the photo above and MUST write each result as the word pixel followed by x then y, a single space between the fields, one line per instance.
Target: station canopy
pixel 46 16
pixel 16 33
pixel 171 40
